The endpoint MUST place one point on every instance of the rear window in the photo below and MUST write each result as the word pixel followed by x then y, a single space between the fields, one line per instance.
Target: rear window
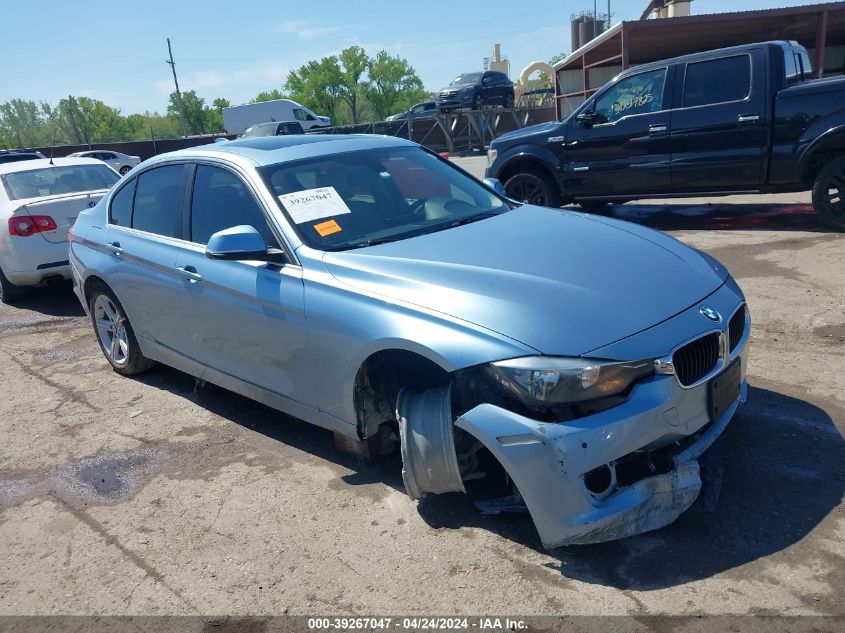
pixel 58 180
pixel 158 201
pixel 14 158
pixel 717 81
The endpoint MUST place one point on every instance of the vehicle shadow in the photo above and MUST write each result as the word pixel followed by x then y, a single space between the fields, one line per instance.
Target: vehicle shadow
pixel 275 425
pixel 57 301
pixel 783 476
pixel 721 216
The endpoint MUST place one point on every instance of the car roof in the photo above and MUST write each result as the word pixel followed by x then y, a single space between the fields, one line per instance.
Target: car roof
pixel 41 163
pixel 269 150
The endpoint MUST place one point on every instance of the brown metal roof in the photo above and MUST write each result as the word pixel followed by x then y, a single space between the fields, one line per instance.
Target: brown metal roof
pixel 650 40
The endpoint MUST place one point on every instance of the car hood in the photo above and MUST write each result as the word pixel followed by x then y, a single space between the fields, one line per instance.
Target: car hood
pixel 561 282
pixel 531 132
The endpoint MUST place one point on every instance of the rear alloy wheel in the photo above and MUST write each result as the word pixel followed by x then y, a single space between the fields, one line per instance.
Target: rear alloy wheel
pixel 533 187
pixel 829 194
pixel 508 100
pixel 124 170
pixel 477 102
pixel 9 292
pixel 115 334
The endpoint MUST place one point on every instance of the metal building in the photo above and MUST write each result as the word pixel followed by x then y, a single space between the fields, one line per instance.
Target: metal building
pixel 819 27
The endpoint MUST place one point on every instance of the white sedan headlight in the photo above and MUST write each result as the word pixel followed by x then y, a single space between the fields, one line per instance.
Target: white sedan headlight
pixel 555 380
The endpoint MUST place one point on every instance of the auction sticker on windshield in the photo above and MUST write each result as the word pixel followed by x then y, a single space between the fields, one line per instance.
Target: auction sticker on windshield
pixel 314 204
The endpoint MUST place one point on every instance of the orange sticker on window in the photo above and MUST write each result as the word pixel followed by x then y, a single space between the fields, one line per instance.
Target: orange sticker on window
pixel 327 228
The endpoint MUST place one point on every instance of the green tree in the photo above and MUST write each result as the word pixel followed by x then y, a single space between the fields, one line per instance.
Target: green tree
pixel 354 62
pixel 317 85
pixel 194 109
pixel 268 95
pixel 393 84
pixel 556 58
pixel 84 120
pixel 24 123
pixel 214 115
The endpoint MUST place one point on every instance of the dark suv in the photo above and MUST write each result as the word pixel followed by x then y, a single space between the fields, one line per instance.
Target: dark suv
pixel 476 90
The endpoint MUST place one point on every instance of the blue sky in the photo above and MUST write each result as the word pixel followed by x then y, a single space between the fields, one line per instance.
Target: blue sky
pixel 115 51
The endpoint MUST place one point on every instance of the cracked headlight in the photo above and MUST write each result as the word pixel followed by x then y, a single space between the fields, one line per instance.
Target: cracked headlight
pixel 553 380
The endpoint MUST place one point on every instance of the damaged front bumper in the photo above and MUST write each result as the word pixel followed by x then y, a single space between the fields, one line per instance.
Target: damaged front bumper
pixel 550 463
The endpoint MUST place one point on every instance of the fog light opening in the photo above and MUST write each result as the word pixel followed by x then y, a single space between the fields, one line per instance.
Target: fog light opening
pixel 601 481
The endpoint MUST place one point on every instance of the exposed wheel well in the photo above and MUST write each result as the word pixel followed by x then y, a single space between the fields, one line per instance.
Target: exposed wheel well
pixel 379 380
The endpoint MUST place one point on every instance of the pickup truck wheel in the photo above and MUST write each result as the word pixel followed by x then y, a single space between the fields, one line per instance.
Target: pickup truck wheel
pixel 9 292
pixel 114 333
pixel 533 187
pixel 829 194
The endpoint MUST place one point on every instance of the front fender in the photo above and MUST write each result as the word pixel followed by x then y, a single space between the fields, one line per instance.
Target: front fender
pixel 345 327
pixel 524 152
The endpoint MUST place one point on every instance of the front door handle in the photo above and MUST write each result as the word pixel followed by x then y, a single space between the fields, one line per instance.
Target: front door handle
pixel 657 129
pixel 190 273
pixel 114 249
pixel 748 118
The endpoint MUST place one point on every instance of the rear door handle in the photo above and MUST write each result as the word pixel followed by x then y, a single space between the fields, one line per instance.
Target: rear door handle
pixel 190 273
pixel 748 118
pixel 657 129
pixel 114 249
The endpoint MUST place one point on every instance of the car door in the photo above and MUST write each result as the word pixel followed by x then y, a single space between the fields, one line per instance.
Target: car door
pixel 619 143
pixel 243 318
pixel 489 89
pixel 142 241
pixel 719 128
pixel 111 159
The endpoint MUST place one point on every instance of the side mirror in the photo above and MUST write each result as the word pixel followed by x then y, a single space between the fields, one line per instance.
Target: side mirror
pixel 238 242
pixel 495 185
pixel 588 118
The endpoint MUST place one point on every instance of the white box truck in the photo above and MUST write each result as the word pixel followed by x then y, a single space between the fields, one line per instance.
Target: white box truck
pixel 238 118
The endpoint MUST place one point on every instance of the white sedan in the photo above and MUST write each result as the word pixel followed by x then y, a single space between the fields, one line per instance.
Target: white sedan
pixel 121 163
pixel 39 202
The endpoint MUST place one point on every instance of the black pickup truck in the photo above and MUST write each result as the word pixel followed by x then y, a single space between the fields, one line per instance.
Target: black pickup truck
pixel 745 119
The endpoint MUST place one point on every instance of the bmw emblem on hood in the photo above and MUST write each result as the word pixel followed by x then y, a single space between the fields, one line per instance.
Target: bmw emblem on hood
pixel 710 313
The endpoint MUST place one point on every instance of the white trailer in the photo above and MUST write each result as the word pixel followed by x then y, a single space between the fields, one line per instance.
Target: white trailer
pixel 238 118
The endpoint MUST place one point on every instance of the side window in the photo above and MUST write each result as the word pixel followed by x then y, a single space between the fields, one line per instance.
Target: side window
pixel 120 211
pixel 158 201
pixel 638 94
pixel 299 114
pixel 220 201
pixel 717 81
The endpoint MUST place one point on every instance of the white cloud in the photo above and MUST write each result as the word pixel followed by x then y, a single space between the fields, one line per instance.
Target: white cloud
pixel 305 30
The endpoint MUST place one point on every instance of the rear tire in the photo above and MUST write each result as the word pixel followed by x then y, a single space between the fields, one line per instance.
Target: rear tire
pixel 115 334
pixel 508 101
pixel 829 194
pixel 533 187
pixel 124 170
pixel 9 292
pixel 477 102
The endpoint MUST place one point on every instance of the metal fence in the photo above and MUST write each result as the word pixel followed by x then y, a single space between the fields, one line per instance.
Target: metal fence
pixel 459 131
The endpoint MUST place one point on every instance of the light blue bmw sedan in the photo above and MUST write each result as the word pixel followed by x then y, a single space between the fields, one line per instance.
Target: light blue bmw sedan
pixel 564 363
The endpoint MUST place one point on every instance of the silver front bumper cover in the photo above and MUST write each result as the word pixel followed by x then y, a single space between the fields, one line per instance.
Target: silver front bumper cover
pixel 547 461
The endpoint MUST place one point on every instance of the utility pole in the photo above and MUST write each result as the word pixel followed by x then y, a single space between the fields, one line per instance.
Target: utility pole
pixel 178 94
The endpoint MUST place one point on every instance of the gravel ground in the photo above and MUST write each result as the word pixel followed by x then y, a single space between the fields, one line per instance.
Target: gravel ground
pixel 148 496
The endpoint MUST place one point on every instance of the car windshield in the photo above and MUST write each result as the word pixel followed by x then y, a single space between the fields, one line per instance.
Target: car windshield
pixel 58 180
pixel 369 197
pixel 466 78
